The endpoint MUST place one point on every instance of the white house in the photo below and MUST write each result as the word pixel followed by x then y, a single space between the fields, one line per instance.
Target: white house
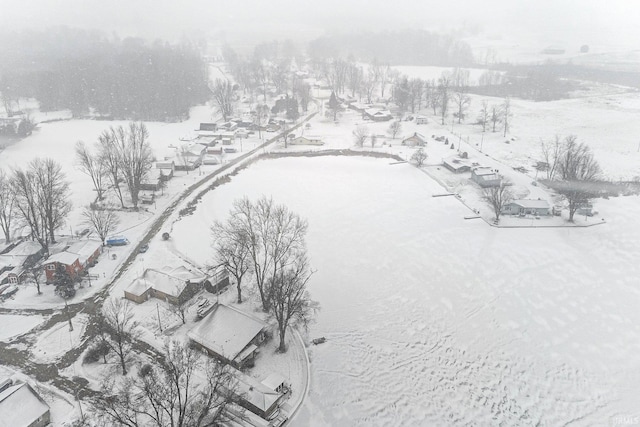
pixel 523 207
pixel 21 406
pixel 485 177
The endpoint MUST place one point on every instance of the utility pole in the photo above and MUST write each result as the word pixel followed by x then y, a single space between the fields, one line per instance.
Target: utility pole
pixel 66 306
pixel 481 141
pixel 158 311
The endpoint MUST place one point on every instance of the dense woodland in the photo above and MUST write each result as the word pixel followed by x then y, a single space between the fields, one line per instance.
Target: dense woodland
pixel 83 71
pixel 408 47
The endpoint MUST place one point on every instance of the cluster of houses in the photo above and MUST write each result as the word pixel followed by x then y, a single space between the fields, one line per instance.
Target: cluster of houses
pixel 225 333
pixel 17 261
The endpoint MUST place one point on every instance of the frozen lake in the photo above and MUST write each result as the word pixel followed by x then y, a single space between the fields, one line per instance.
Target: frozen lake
pixel 432 320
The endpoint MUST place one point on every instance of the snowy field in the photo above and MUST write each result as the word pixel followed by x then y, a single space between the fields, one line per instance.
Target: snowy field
pixel 432 320
pixel 14 325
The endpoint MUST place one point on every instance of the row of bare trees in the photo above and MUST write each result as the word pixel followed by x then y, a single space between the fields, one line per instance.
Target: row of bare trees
pixel 36 197
pixel 265 240
pixel 121 157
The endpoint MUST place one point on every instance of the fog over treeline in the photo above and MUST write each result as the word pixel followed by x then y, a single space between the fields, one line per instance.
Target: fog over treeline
pixel 80 70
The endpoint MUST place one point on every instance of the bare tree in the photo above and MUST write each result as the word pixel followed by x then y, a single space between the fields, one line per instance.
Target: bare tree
pixel 419 157
pixel 222 92
pixel 506 115
pixel 91 165
pixel 498 197
pixel 484 115
pixel 443 96
pixel 42 198
pixel 104 222
pixel 53 194
pixel 34 275
pixel 260 117
pixel 119 329
pixel 184 390
pixel 416 88
pixel 24 188
pixel 551 152
pixel 462 101
pixel 496 116
pixel 7 206
pixel 373 139
pixel 109 157
pixel 290 301
pixel 360 135
pixel 578 170
pixel 134 154
pixel 369 84
pixel 231 248
pixel 394 129
pixel 273 234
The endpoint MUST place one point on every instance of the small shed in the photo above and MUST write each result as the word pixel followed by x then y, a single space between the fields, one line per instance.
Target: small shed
pixel 421 120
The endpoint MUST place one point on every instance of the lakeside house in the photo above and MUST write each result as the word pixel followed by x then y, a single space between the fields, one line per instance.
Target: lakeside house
pixel 172 284
pixel 229 335
pixel 523 207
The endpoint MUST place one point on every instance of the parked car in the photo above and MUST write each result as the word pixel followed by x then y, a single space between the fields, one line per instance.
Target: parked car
pixel 144 248
pixel 117 241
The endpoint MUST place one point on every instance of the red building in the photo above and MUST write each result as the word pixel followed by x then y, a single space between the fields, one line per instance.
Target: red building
pixel 75 258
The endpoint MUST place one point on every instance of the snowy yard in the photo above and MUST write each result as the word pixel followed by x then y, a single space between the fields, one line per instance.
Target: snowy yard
pixel 431 319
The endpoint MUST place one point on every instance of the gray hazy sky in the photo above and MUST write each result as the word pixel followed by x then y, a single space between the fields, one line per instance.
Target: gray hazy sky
pixel 611 20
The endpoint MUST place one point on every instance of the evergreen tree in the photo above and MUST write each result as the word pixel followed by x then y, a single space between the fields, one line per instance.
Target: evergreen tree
pixel 65 287
pixel 334 105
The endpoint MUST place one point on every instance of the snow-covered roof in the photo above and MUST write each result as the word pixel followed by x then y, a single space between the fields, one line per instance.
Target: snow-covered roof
pixel 138 287
pixel 255 392
pixel 20 406
pixel 416 137
pixel 227 331
pixel 483 170
pixel 529 203
pixel 66 258
pixel 26 249
pixel 378 113
pixel 11 261
pixel 169 280
pixel 84 249
pixel 274 380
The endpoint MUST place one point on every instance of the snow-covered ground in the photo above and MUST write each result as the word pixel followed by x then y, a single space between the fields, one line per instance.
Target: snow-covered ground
pixel 59 339
pixel 431 319
pixel 17 324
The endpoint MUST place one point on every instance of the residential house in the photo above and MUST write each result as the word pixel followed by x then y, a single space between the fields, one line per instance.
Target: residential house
pixel 256 396
pixel 415 140
pixel 22 406
pixel 190 156
pixel 457 164
pixel 76 258
pixel 15 263
pixel 421 120
pixel 485 177
pixel 378 115
pixel 229 335
pixel 524 207
pixel 172 284
pixel 303 140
